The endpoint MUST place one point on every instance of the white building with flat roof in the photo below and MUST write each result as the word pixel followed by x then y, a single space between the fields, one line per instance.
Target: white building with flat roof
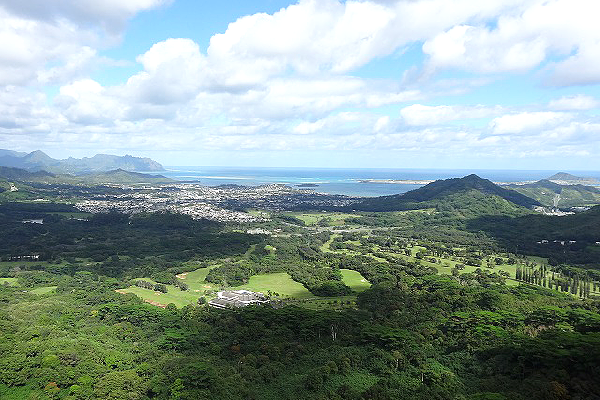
pixel 237 298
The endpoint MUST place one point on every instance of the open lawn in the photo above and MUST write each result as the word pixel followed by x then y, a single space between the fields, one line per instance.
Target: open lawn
pixel 43 290
pixel 195 280
pixel 279 282
pixel 326 248
pixel 174 295
pixel 10 281
pixel 354 280
pixel 326 218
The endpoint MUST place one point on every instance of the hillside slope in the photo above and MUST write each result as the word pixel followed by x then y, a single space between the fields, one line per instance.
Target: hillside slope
pixel 456 192
pixel 552 194
pixel 117 176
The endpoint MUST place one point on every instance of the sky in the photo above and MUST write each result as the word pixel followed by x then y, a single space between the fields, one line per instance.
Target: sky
pixel 495 84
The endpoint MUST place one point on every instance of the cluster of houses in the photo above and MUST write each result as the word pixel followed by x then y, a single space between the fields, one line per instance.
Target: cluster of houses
pixel 561 242
pixel 237 298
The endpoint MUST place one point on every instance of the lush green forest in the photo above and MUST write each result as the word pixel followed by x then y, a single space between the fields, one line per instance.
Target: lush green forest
pixel 421 338
pixel 467 296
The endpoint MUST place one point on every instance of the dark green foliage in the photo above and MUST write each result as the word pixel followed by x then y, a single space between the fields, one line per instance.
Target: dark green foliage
pixel 546 193
pixel 423 338
pixel 570 239
pixel 331 288
pixel 436 194
pixel 145 244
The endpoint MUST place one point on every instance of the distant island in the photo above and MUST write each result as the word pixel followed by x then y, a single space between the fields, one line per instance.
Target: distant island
pixel 38 161
pixel 307 185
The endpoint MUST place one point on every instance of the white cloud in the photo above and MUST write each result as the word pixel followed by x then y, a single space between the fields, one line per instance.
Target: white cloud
pixel 418 114
pixel 523 39
pixel 174 71
pixel 55 41
pixel 581 68
pixel 109 14
pixel 481 50
pixel 381 124
pixel 527 122
pixel 86 102
pixel 284 81
pixel 578 102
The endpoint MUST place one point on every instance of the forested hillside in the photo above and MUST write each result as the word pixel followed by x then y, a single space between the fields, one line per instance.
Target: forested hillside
pixel 456 300
pixel 436 194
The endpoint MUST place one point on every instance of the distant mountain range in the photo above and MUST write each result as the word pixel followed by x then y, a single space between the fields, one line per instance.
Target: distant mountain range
pixel 117 176
pixel 469 193
pixel 38 160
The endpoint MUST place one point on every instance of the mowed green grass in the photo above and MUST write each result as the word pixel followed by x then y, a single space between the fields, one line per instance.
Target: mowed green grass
pixel 279 282
pixel 354 280
pixel 43 290
pixel 180 298
pixel 176 296
pixel 311 219
pixel 10 281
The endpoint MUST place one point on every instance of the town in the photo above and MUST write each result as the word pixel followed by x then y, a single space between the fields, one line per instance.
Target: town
pixel 220 203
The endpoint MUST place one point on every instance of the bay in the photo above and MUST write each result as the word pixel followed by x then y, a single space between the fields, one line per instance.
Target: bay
pixel 346 181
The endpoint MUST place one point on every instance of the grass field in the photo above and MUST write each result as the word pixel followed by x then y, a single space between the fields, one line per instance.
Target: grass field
pixel 279 282
pixel 43 290
pixel 180 298
pixel 11 281
pixel 354 280
pixel 311 219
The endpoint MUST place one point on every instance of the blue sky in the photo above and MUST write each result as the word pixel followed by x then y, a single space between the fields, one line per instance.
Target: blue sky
pixel 319 83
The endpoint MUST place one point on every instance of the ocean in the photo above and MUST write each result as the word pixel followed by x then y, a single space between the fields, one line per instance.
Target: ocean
pixel 347 181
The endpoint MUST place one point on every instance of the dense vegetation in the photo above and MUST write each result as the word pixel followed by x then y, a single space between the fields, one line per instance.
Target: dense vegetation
pixel 555 195
pixel 420 338
pixel 438 192
pixel 440 320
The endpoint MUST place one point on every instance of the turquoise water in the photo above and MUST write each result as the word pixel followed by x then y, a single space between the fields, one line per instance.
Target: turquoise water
pixel 345 181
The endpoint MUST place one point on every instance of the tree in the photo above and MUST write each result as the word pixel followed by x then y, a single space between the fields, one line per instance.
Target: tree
pixel 159 287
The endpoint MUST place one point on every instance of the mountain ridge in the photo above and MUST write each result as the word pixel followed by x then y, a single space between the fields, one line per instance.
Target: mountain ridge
pixel 553 194
pixel 434 193
pixel 38 160
pixel 118 176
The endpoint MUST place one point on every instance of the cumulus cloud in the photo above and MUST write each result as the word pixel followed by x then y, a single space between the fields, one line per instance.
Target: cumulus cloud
pixel 418 114
pixel 523 39
pixel 110 14
pixel 173 73
pixel 54 41
pixel 289 80
pixel 527 122
pixel 578 102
